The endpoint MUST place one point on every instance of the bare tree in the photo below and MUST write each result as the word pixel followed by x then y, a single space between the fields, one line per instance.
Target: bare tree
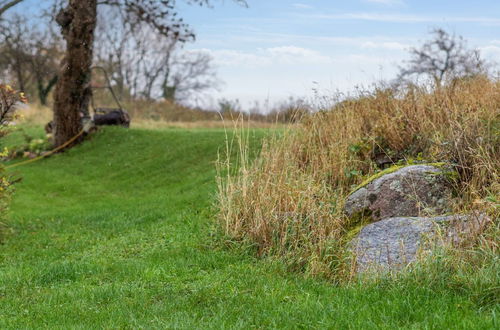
pixel 31 55
pixel 114 52
pixel 7 4
pixel 146 65
pixel 149 65
pixel 78 20
pixel 188 75
pixel 45 65
pixel 442 58
pixel 15 48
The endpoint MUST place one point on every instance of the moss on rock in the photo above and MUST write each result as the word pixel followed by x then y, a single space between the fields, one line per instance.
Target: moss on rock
pixel 395 168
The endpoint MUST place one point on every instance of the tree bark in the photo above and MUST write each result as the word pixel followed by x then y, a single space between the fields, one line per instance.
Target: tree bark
pixel 78 23
pixel 20 78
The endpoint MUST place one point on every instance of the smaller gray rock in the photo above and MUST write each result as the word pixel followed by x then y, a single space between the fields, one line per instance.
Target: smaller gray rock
pixel 411 191
pixel 393 243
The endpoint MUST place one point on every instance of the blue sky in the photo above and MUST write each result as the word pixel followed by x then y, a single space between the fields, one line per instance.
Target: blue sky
pixel 280 48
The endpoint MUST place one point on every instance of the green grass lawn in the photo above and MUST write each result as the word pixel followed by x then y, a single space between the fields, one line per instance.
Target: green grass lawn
pixel 115 233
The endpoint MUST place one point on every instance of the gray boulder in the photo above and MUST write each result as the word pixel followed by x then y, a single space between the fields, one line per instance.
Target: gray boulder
pixel 411 191
pixel 393 243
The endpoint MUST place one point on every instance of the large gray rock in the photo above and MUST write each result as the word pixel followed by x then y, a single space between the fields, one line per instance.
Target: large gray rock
pixel 411 191
pixel 393 243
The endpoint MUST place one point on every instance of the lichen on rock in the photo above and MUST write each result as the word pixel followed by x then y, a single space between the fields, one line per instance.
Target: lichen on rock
pixel 393 243
pixel 407 191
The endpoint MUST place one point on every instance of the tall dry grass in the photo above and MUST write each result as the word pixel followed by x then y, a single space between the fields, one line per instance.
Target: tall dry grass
pixel 288 202
pixel 34 114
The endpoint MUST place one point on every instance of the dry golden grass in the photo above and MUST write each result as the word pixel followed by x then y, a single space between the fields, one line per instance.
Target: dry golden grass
pixel 35 115
pixel 160 124
pixel 288 202
pixel 164 114
pixel 39 115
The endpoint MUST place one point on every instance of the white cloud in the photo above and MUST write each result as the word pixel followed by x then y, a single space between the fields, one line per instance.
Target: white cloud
pixel 302 6
pixel 402 18
pixel 295 55
pixel 386 2
pixel 311 41
pixel 398 18
pixel 266 57
pixel 228 57
pixel 492 52
pixel 364 60
pixel 390 45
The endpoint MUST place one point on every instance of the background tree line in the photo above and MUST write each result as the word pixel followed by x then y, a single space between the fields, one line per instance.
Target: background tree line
pixel 78 21
pixel 140 44
pixel 141 64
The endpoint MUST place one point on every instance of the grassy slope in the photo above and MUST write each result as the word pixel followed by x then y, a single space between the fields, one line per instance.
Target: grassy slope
pixel 115 234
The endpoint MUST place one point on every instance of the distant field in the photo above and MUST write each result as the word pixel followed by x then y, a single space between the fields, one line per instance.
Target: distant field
pixel 161 115
pixel 118 233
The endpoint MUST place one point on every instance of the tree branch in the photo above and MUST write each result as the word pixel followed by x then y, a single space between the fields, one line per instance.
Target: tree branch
pixel 8 5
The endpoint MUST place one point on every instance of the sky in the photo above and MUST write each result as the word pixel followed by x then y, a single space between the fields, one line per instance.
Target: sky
pixel 275 49
pixel 280 48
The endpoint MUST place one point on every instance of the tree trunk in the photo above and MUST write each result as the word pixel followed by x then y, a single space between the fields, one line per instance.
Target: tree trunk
pixel 20 78
pixel 43 91
pixel 78 22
